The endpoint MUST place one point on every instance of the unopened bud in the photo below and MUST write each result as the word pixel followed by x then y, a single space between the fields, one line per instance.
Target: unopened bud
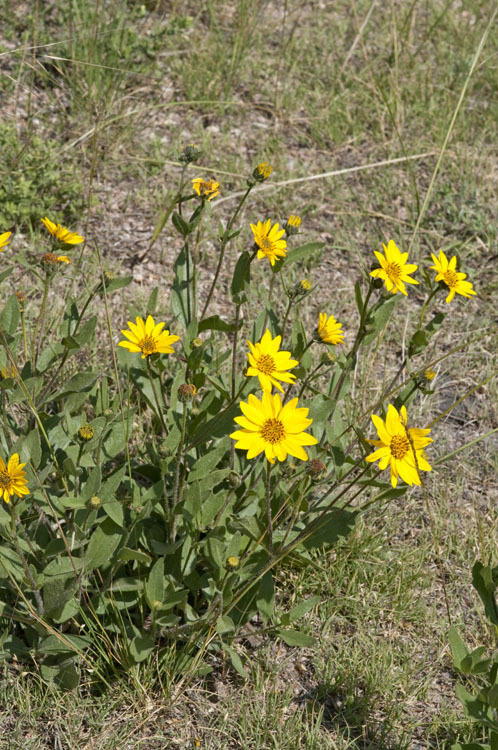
pixel 186 392
pixel 86 432
pixel 190 154
pixel 262 172
pixel 233 561
pixel 316 468
pixel 95 502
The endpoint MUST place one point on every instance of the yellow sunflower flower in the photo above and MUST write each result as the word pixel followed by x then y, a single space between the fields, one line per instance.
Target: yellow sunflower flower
pixel 269 364
pixel 394 448
pixel 208 188
pixel 62 234
pixel 394 269
pixel 267 238
pixel 4 240
pixel 12 478
pixel 148 337
pixel 446 271
pixel 329 330
pixel 275 429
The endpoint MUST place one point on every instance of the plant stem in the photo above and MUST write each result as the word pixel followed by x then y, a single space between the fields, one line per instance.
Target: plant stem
pixel 224 242
pixel 41 315
pixel 424 309
pixel 234 376
pixel 268 507
pixel 159 409
pixel 29 576
pixel 176 489
pixel 24 338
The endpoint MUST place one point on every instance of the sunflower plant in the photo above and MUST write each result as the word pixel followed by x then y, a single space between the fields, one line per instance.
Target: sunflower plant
pixel 148 505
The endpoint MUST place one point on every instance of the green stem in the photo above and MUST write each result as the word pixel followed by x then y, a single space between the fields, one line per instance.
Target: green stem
pixel 41 315
pixel 224 242
pixel 424 309
pixel 234 376
pixel 268 507
pixel 359 336
pixel 310 377
pixel 176 490
pixel 156 397
pixel 29 576
pixel 24 337
pixel 286 317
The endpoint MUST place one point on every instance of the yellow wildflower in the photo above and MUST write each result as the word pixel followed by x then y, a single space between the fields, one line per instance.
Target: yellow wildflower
pixel 394 269
pixel 62 234
pixel 12 478
pixel 269 364
pixel 446 271
pixel 267 238
pixel 148 337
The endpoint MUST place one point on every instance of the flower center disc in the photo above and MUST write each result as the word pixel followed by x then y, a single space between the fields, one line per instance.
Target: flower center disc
pixel 265 244
pixel 266 364
pixel 273 431
pixel 450 278
pixel 148 345
pixel 399 446
pixel 5 480
pixel 393 270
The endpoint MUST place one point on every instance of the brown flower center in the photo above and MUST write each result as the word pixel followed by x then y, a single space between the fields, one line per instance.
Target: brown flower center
pixel 5 480
pixel 394 271
pixel 451 279
pixel 273 431
pixel 148 345
pixel 400 446
pixel 266 364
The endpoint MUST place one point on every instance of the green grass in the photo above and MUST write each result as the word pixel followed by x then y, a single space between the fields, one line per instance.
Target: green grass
pixel 93 141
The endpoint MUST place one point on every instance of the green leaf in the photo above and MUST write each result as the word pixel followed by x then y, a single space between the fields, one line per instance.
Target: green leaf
pixel 296 638
pixel 236 660
pixel 126 553
pixel 474 708
pixel 241 276
pixel 9 318
pixel 113 284
pixel 103 543
pixel 179 289
pixel 210 460
pixel 140 648
pixel 92 485
pixel 265 600
pixel 225 624
pixel 358 297
pixel 458 648
pixel 304 252
pixel 57 591
pixel 378 318
pixel 303 607
pixel 215 323
pixel 82 381
pixel 484 580
pixel 114 509
pixel 154 586
pixel 332 526
pixel 180 224
pixel 32 448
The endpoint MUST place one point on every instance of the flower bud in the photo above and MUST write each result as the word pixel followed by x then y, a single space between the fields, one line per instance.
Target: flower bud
pixel 190 154
pixel 316 469
pixel 430 374
pixel 86 432
pixel 233 561
pixel 186 392
pixel 9 371
pixel 262 172
pixel 292 225
pixel 197 342
pixel 95 502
